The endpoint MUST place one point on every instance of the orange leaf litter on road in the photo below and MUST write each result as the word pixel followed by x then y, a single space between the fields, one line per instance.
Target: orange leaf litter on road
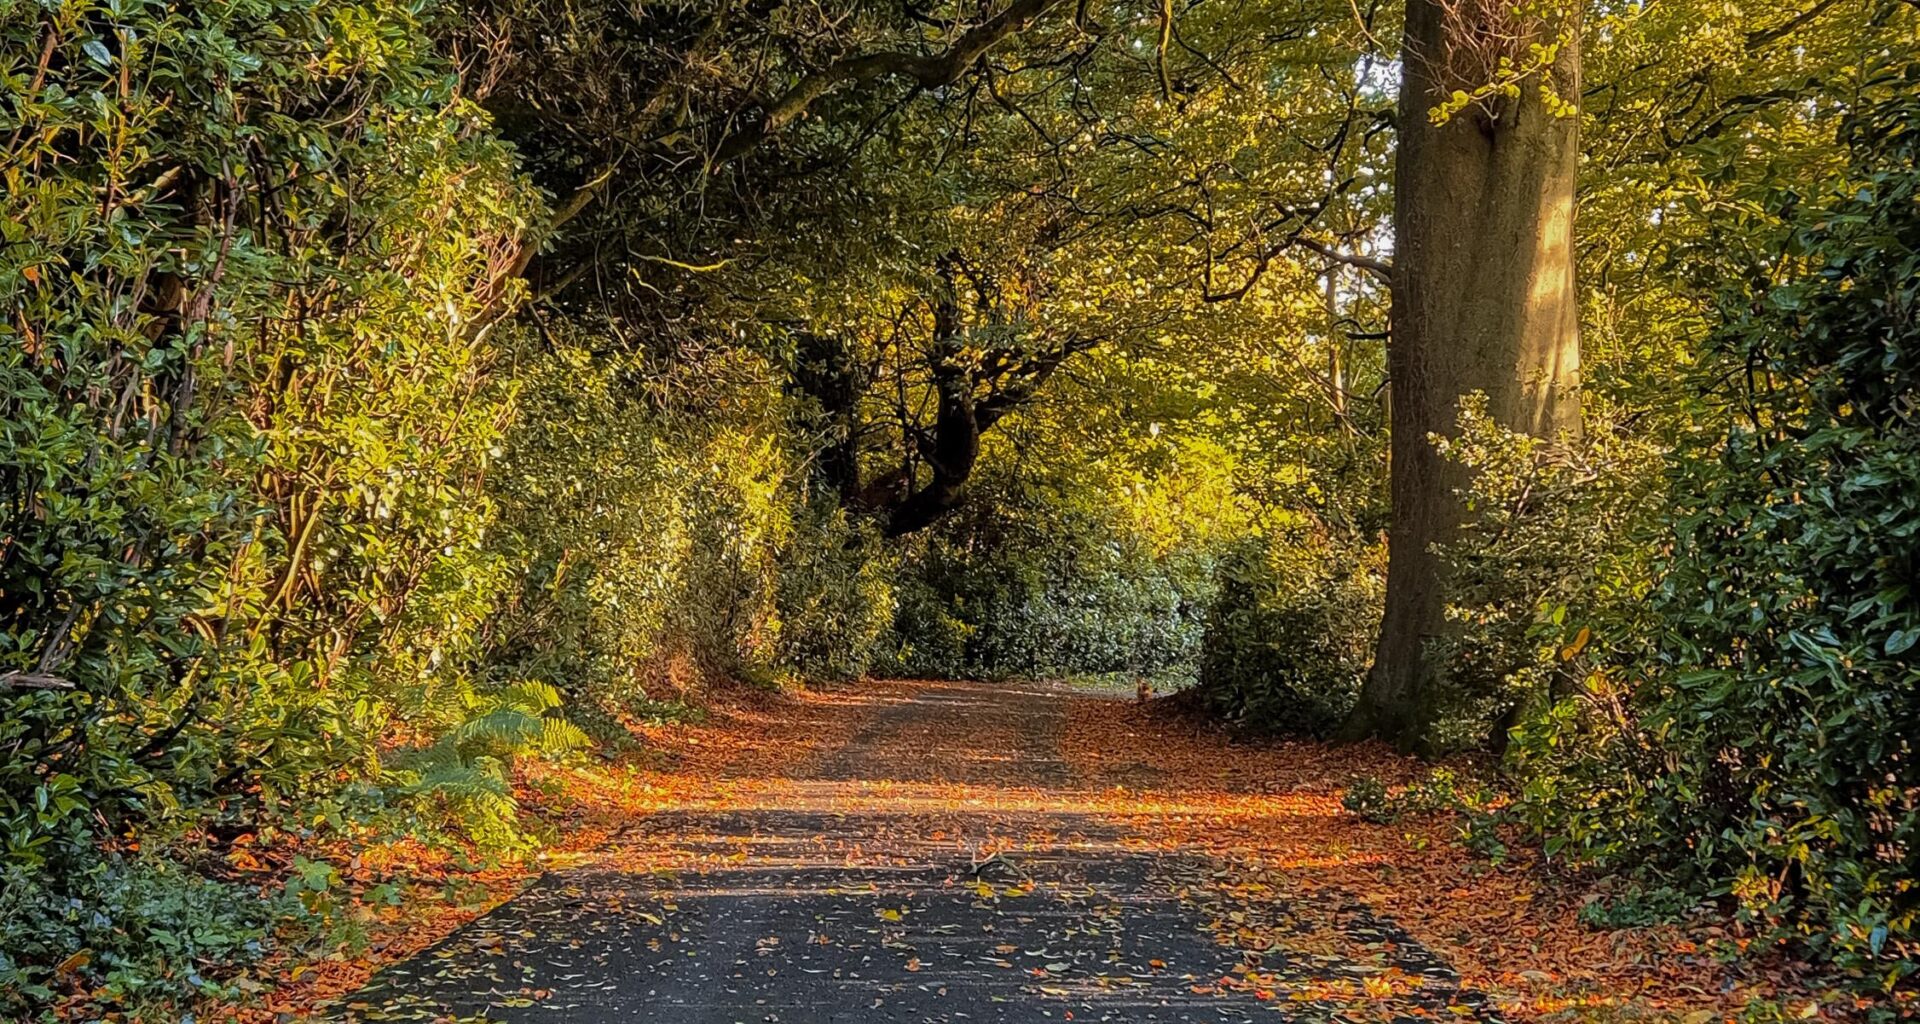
pixel 1268 814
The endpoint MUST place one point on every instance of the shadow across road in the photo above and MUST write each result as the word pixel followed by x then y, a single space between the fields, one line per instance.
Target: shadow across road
pixel 940 867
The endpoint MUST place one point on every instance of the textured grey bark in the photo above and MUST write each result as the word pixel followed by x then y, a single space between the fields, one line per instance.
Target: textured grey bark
pixel 1483 300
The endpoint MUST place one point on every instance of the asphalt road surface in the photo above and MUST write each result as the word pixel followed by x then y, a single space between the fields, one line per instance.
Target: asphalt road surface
pixel 866 891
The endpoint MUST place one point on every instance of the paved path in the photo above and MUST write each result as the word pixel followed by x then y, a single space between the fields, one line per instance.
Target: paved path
pixel 856 894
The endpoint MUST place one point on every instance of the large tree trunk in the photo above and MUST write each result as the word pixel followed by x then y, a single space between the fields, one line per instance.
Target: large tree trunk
pixel 1483 299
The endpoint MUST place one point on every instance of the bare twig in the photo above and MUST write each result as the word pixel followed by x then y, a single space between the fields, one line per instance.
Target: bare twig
pixel 34 681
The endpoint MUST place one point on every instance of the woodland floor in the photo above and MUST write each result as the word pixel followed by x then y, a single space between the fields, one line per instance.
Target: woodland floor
pixel 827 858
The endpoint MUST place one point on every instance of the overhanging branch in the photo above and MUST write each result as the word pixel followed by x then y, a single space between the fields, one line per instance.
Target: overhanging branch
pixel 927 71
pixel 1377 268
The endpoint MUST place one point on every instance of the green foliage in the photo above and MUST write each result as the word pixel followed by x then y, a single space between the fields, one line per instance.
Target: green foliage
pixel 1367 798
pixel 463 774
pixel 929 636
pixel 1290 632
pixel 1055 577
pixel 1762 750
pixel 247 399
pixel 1637 907
pixel 237 499
pixel 663 546
pixel 1045 612
pixel 141 928
pixel 1475 806
pixel 1441 790
pixel 1549 576
pixel 834 595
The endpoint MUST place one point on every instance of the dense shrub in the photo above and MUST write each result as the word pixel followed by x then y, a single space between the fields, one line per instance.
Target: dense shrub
pixel 1289 633
pixel 1549 576
pixel 835 595
pixel 662 546
pixel 247 397
pixel 1047 612
pixel 1763 751
pixel 143 927
pixel 233 485
pixel 928 639
pixel 1032 580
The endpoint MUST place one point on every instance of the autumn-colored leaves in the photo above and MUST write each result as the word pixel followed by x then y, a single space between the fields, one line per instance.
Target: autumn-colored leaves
pixel 1271 813
pixel 1303 903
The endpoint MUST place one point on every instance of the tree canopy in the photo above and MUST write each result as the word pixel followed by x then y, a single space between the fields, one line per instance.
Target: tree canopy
pixel 393 392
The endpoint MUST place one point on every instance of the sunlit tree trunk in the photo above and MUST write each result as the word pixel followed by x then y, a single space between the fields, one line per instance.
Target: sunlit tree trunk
pixel 1336 365
pixel 1483 299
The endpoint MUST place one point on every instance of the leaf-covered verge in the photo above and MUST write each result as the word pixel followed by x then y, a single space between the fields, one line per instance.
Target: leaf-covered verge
pixel 363 906
pixel 1298 868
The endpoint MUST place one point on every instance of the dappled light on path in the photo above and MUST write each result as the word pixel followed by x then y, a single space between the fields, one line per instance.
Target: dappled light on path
pixel 944 860
pixel 971 852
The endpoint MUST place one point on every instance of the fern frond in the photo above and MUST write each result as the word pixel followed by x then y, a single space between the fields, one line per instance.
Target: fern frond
pixel 559 736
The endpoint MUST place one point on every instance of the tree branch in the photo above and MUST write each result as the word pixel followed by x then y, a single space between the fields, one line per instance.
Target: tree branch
pixel 1762 38
pixel 1160 50
pixel 1378 268
pixel 928 71
pixel 34 681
